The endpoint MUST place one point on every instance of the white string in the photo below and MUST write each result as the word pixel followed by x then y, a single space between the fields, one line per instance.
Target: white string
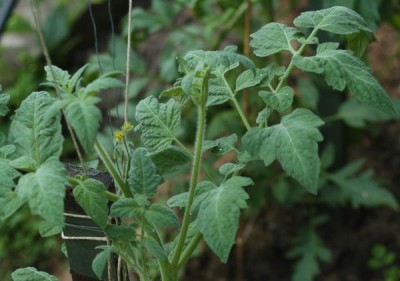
pixel 90 238
pixel 76 216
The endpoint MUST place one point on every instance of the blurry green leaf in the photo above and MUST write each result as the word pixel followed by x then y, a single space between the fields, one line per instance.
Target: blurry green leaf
pixel 362 189
pixel 3 103
pixel 31 274
pixel 157 122
pixel 45 191
pixel 155 248
pixel 273 38
pixel 121 232
pixel 90 195
pixel 279 101
pixel 178 200
pixel 56 26
pixel 309 248
pixel 369 10
pixel 47 229
pixel 170 160
pixel 143 177
pixel 125 207
pixel 340 69
pixel 35 131
pixel 230 168
pixel 358 42
pixel 357 114
pixel 137 85
pixel 309 94
pixel 338 19
pixel 100 261
pixel 84 118
pixel 161 215
pixel 218 217
pixel 103 83
pixel 7 176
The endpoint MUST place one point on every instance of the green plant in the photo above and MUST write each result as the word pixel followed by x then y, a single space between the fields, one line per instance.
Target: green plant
pixel 382 258
pixel 149 235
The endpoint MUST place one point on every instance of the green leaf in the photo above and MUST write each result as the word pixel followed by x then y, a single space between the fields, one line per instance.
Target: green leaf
pixel 45 191
pixel 230 168
pixel 273 38
pixel 362 189
pixel 358 42
pixel 310 249
pixel 100 261
pixel 125 207
pixel 31 274
pixel 309 94
pixel 47 229
pixel 178 200
pixel 170 160
pixel 84 118
pixel 121 232
pixel 249 79
pixel 293 143
pixel 357 114
pixel 56 26
pixel 155 248
pixel 223 145
pixel 59 77
pixel 218 217
pixel 157 122
pixel 338 19
pixel 90 195
pixel 220 61
pixel 279 101
pixel 7 175
pixel 3 103
pixel 35 131
pixel 161 215
pixel 340 69
pixel 11 204
pixel 103 83
pixel 143 177
pixel 74 81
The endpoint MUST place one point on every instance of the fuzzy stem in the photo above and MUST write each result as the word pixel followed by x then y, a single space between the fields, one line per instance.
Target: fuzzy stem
pixel 201 124
pixel 189 249
pixel 105 158
pixel 128 62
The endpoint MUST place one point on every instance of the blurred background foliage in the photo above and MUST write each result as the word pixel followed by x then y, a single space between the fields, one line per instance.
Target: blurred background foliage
pixel 284 227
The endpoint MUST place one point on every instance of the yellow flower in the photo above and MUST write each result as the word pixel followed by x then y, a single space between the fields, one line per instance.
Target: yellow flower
pixel 127 127
pixel 119 136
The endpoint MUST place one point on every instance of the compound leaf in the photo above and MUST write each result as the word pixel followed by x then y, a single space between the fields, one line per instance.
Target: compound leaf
pixel 218 217
pixel 338 19
pixel 31 274
pixel 340 69
pixel 362 189
pixel 157 122
pixel 273 38
pixel 36 130
pixel 310 249
pixel 84 118
pixel 220 61
pixel 143 177
pixel 100 261
pixel 44 190
pixel 293 143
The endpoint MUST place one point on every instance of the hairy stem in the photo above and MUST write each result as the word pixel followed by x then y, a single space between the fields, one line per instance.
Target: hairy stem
pixel 189 249
pixel 128 62
pixel 201 124
pixel 105 158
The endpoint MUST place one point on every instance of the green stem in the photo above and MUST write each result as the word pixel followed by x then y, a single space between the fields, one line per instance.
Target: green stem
pixel 291 64
pixel 105 158
pixel 189 249
pixel 236 103
pixel 201 123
